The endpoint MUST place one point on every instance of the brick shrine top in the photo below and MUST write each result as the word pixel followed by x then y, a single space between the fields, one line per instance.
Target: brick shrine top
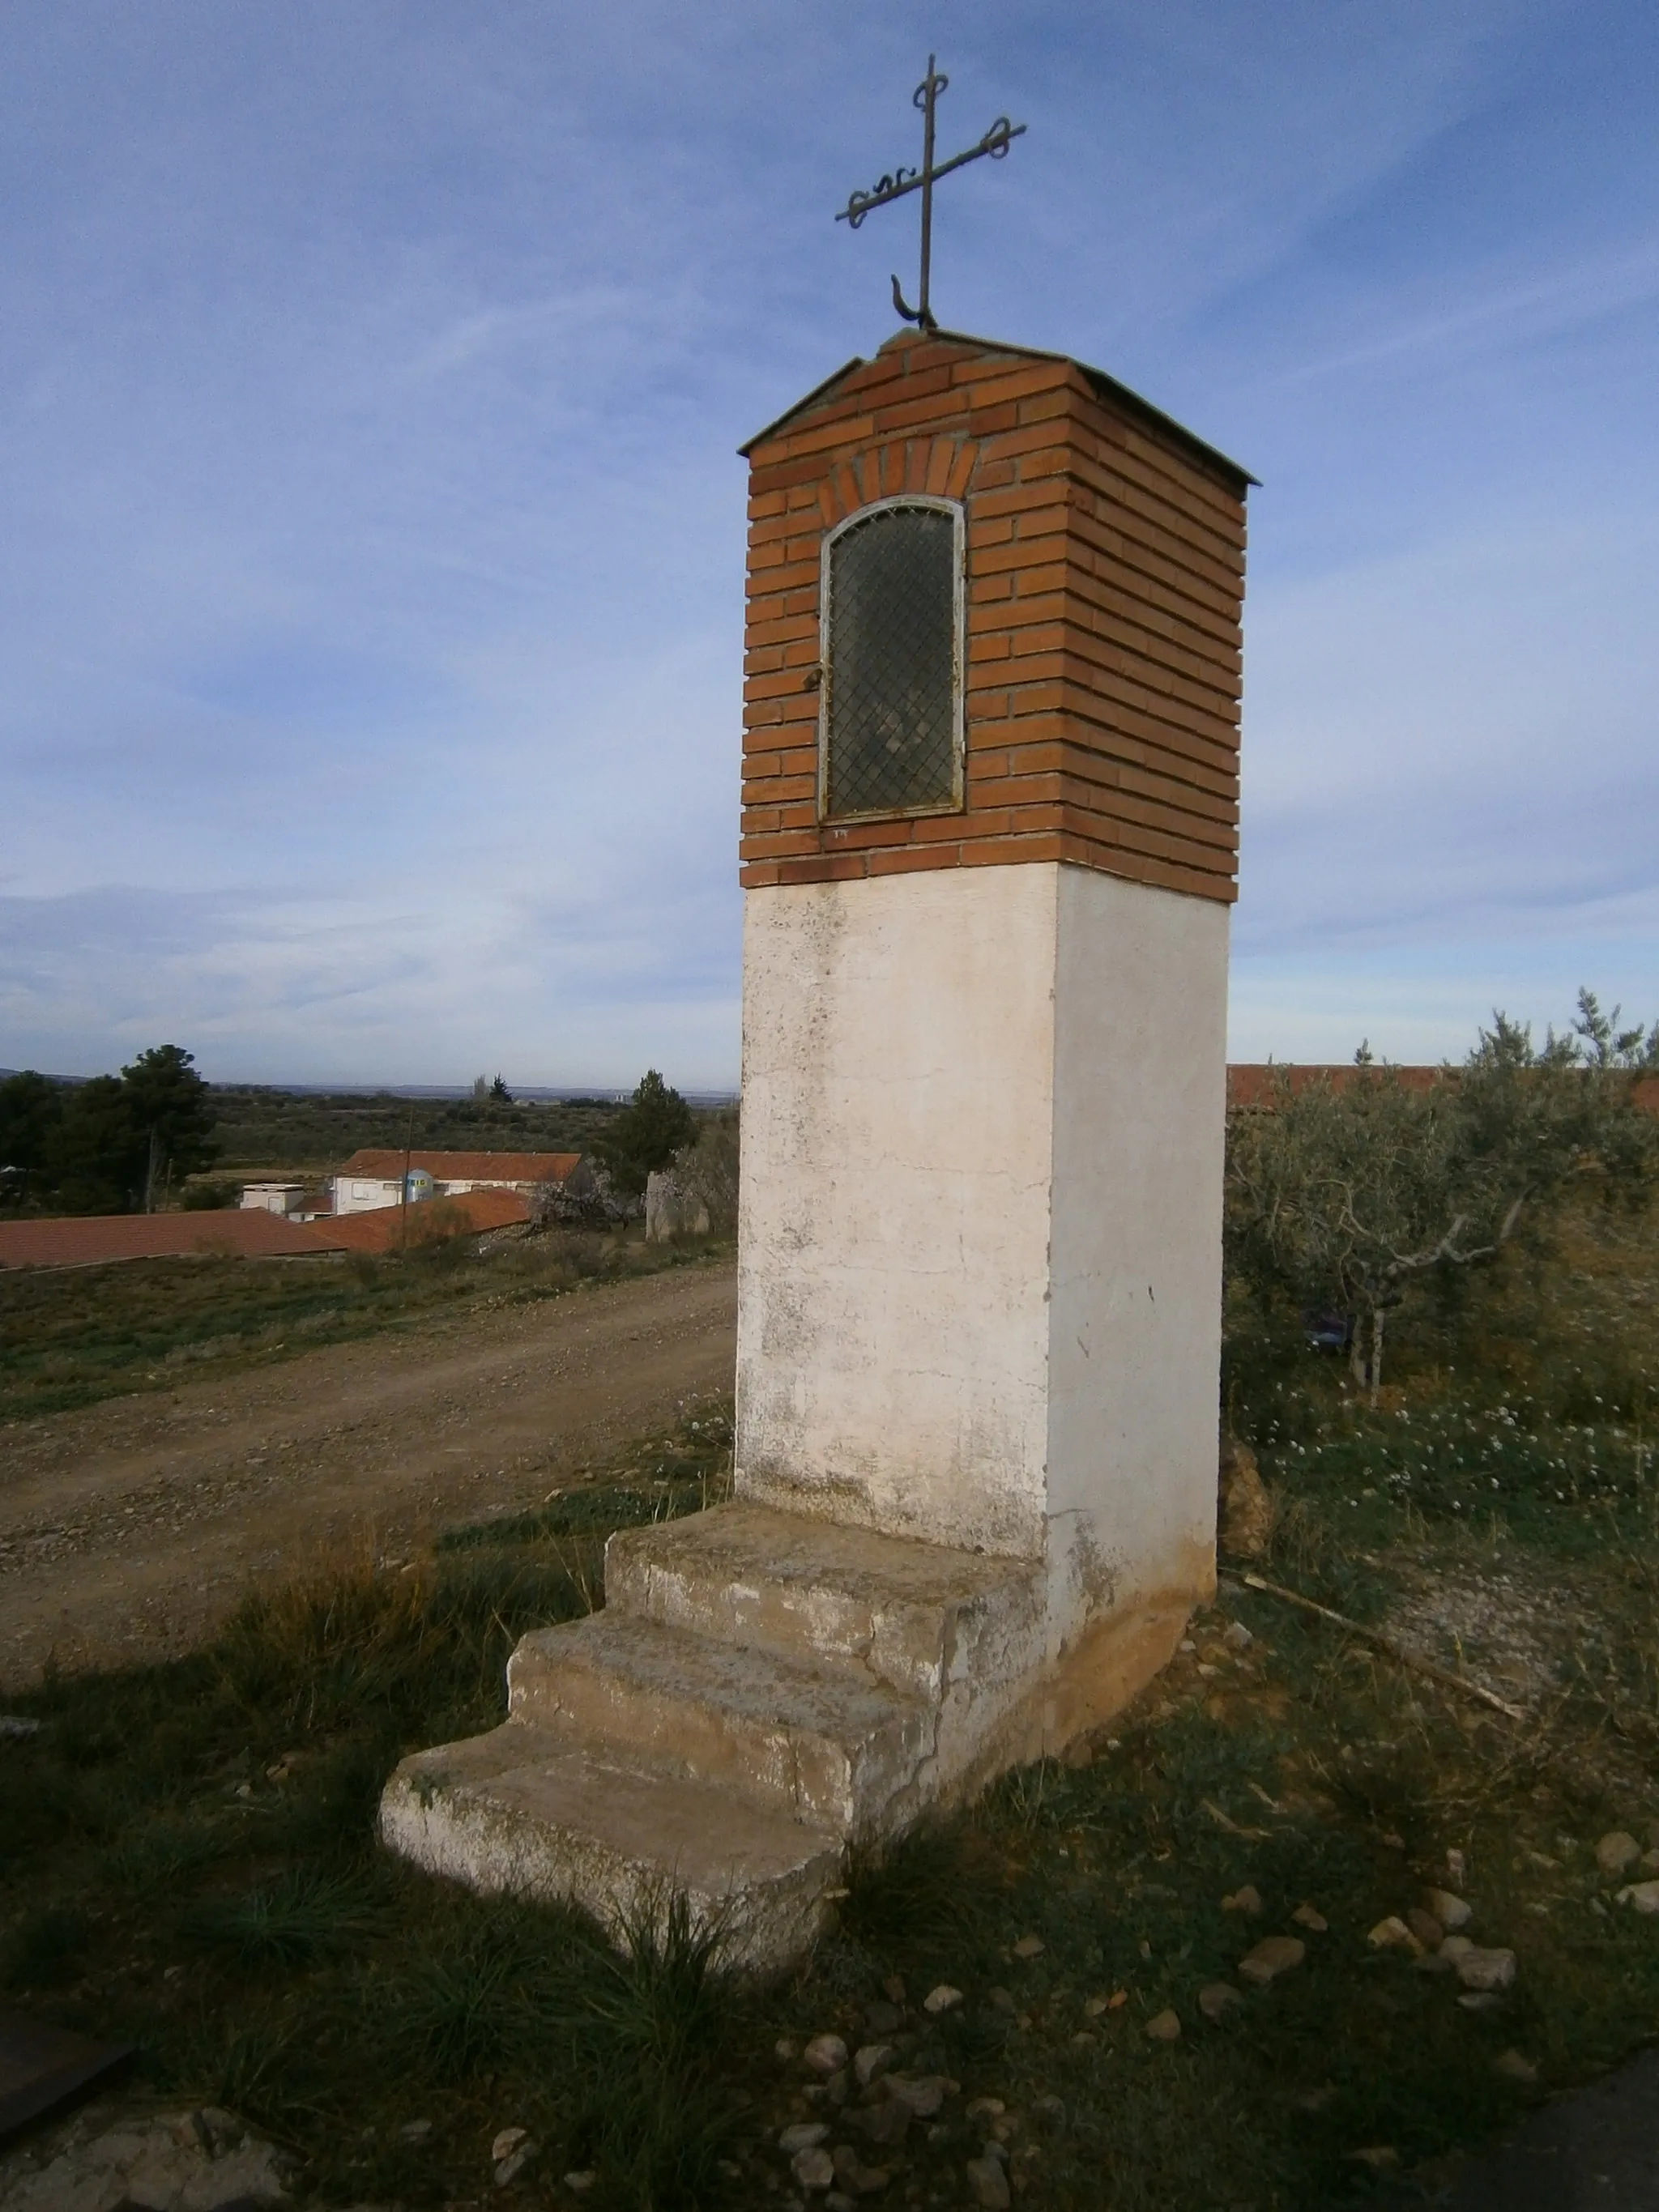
pixel 1104 556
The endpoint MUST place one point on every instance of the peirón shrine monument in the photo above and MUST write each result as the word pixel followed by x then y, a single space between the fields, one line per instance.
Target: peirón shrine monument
pixel 989 843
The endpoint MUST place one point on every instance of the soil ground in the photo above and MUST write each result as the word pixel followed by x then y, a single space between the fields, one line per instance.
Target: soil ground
pixel 129 1529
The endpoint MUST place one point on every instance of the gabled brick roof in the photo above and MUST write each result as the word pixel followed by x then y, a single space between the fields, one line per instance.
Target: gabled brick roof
pixel 388 1165
pixel 1108 386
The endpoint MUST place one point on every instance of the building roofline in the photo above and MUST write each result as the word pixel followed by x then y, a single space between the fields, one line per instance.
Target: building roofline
pixel 797 406
pixel 1108 386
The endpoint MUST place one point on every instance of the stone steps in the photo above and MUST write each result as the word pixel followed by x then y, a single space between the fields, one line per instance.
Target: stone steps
pixel 816 1742
pixel 760 1689
pixel 526 1811
pixel 907 1614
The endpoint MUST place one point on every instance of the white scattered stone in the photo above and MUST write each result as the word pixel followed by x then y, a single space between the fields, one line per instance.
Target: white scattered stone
pixel 581 2181
pixel 514 2164
pixel 872 2062
pixel 920 2094
pixel 1236 1637
pixel 1643 1896
pixel 1450 1912
pixel 1029 1947
pixel 414 2131
pixel 1310 1916
pixel 984 2108
pixel 804 2135
pixel 19 1724
pixel 941 1998
pixel 1273 1956
pixel 825 2054
pixel 1457 1868
pixel 1165 2027
pixel 164 2163
pixel 1188 1644
pixel 1393 1935
pixel 506 2144
pixel 988 2183
pixel 1514 2066
pixel 1245 1900
pixel 786 2048
pixel 1217 1999
pixel 1617 1851
pixel 1485 1970
pixel 813 2168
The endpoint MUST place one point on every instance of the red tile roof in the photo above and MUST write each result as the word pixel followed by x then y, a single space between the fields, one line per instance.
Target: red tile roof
pixel 1250 1082
pixel 91 1239
pixel 463 1167
pixel 470 1212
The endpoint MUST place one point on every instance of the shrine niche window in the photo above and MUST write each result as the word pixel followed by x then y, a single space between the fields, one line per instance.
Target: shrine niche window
pixel 890 727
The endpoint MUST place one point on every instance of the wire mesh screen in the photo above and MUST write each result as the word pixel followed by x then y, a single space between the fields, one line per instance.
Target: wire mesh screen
pixel 891 655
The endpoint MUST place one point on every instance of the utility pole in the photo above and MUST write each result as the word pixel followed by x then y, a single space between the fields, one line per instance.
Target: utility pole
pixel 409 1147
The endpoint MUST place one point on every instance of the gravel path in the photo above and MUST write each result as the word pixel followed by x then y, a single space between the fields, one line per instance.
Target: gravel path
pixel 128 1529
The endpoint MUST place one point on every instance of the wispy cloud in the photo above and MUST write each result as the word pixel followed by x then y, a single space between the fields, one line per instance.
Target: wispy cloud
pixel 371 591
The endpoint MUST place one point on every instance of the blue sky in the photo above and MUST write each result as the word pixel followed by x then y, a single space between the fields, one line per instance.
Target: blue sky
pixel 370 586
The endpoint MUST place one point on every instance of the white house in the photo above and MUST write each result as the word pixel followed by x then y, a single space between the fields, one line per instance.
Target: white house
pixel 372 1179
pixel 283 1198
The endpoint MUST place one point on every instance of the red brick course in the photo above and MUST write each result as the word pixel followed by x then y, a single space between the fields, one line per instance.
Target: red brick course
pixel 1105 551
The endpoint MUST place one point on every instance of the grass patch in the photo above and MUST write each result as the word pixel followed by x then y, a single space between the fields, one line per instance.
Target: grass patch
pixel 73 1336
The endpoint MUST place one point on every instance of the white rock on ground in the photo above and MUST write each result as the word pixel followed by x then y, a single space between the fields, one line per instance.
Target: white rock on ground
pixel 1485 1970
pixel 805 2134
pixel 1273 1956
pixel 150 2160
pixel 987 2183
pixel 813 2168
pixel 1450 1912
pixel 1617 1851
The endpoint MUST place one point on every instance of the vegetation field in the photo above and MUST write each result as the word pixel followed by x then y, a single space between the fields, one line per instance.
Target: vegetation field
pixel 187 1854
pixel 257 1127
pixel 71 1336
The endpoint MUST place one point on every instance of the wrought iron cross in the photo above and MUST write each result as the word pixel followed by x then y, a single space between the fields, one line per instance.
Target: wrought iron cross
pixel 995 143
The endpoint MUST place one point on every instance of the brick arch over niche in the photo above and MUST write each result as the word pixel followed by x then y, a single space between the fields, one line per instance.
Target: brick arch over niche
pixel 1105 553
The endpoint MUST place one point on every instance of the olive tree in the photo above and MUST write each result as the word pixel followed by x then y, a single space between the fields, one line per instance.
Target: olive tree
pixel 1344 1196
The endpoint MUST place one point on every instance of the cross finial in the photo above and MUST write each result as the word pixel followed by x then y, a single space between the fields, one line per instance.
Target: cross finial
pixel 995 143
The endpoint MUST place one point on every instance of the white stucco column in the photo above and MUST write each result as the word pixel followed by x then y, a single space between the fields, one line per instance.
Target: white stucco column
pixel 980 1233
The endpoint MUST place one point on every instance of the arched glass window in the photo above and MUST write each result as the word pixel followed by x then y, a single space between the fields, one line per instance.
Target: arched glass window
pixel 891 714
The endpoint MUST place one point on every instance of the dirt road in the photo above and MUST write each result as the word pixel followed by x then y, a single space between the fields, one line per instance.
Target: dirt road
pixel 127 1529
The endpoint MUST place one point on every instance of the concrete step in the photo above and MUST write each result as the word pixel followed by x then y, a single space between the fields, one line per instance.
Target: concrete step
pixel 528 1811
pixel 913 1616
pixel 814 1742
